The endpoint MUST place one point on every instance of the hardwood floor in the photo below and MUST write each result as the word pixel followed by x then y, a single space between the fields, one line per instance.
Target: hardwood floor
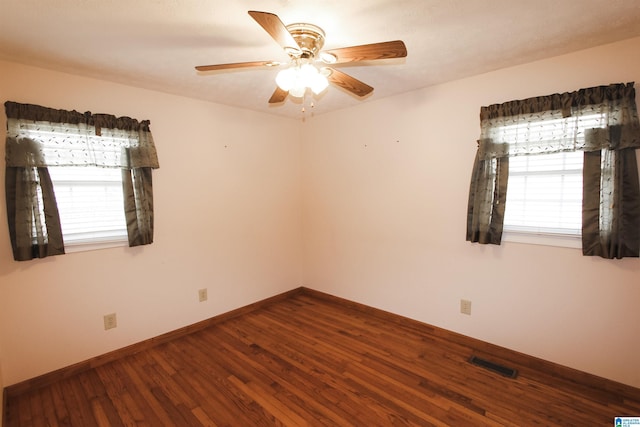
pixel 315 360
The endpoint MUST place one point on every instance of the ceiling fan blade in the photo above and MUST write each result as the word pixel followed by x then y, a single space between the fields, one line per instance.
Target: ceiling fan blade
pixel 349 83
pixel 366 52
pixel 276 29
pixel 278 96
pixel 237 65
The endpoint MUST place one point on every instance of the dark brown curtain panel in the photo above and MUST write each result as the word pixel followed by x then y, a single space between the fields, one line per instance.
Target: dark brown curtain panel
pixel 487 196
pixel 34 223
pixel 138 205
pixel 611 204
pixel 603 123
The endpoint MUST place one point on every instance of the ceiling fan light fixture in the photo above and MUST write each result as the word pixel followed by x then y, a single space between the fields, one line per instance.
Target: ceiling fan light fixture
pixel 297 91
pixel 306 73
pixel 286 79
pixel 298 78
pixel 319 84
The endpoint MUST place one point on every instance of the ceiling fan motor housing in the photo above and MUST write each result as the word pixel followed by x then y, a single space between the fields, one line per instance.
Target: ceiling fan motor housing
pixel 310 39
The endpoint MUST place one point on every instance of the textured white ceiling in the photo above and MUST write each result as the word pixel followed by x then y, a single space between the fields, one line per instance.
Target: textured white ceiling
pixel 155 44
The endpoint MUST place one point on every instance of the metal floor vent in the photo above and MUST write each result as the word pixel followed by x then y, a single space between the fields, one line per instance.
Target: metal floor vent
pixel 494 367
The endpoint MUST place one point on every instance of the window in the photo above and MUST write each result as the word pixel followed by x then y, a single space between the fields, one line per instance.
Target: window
pixel 89 198
pixel 91 206
pixel 560 166
pixel 544 194
pixel 76 180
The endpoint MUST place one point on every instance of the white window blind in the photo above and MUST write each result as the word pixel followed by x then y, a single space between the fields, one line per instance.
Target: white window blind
pixel 544 194
pixel 90 203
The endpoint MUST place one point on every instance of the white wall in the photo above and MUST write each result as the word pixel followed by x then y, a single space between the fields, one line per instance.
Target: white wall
pixel 385 217
pixel 228 218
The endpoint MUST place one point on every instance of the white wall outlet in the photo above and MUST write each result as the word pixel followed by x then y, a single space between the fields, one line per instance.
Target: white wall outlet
pixel 110 321
pixel 202 294
pixel 465 307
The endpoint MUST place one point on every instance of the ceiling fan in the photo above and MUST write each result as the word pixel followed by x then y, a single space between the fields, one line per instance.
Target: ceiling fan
pixel 303 43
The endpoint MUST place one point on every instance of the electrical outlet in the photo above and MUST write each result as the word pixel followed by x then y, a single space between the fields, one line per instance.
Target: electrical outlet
pixel 110 321
pixel 202 294
pixel 465 307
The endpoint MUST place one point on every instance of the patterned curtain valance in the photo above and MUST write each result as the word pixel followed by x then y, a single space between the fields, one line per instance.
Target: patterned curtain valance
pixel 38 113
pixel 39 137
pixel 591 119
pixel 560 101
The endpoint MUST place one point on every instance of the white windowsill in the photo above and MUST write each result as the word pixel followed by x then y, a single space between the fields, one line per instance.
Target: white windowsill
pixel 80 246
pixel 558 240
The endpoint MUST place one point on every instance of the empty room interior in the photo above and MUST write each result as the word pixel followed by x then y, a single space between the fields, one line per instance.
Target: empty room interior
pixel 341 206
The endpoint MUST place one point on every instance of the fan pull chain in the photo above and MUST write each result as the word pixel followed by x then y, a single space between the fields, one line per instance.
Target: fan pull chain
pixel 303 109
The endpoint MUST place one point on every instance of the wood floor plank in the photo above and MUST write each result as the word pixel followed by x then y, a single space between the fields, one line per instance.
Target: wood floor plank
pixel 60 407
pixel 37 409
pixel 302 388
pixel 48 408
pixel 314 360
pixel 23 413
pixel 102 407
pixel 320 377
pixel 129 403
pixel 203 418
pixel 340 373
pixel 207 381
pixel 210 378
pixel 292 386
pixel 148 395
pixel 128 413
pixel 79 407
